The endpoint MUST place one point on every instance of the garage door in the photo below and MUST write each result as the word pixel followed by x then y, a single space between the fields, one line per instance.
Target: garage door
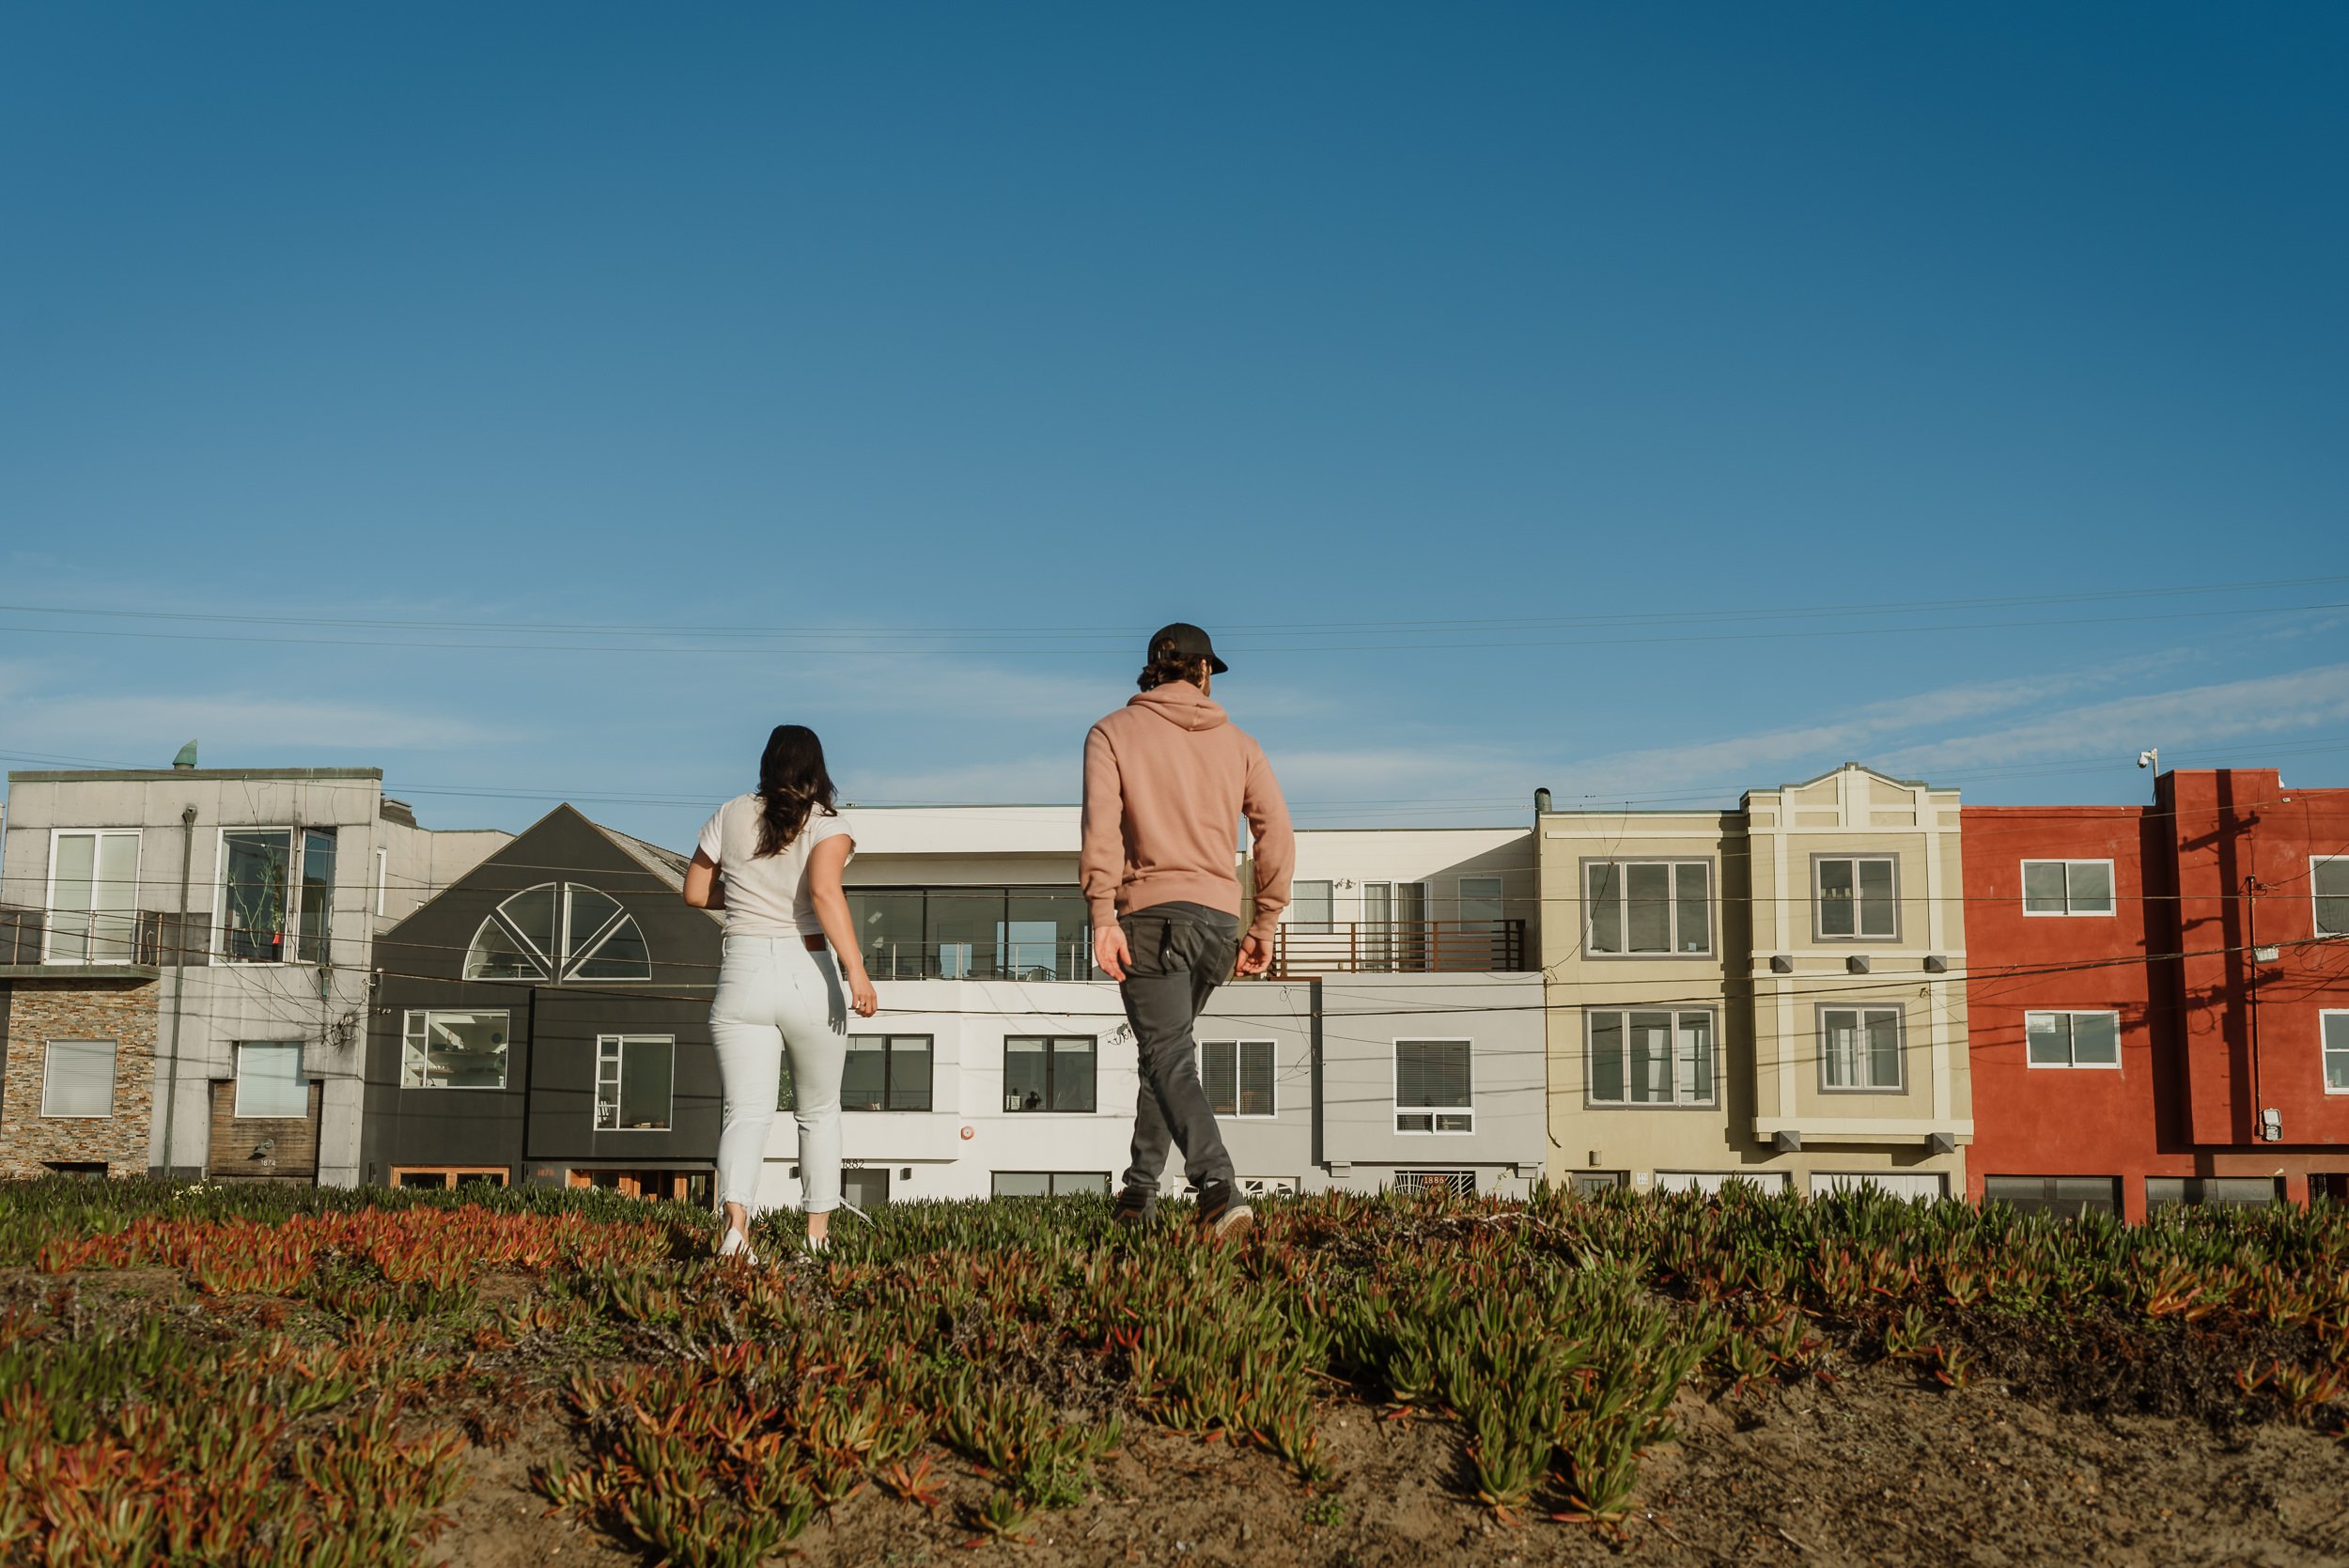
pixel 1712 1181
pixel 1896 1183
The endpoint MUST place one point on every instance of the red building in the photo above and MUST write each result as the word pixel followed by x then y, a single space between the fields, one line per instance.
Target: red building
pixel 2158 996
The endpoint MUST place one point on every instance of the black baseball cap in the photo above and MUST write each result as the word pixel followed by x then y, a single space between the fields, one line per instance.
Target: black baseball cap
pixel 1189 643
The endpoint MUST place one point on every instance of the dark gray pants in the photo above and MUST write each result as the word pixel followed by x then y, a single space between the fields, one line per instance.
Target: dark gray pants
pixel 1181 953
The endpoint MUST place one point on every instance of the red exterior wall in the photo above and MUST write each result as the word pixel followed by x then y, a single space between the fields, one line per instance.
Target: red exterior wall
pixel 2172 961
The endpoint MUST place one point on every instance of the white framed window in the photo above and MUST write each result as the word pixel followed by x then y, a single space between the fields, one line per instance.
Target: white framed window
pixel 1661 908
pixel 448 1048
pixel 635 1082
pixel 1047 1183
pixel 1049 1072
pixel 77 1079
pixel 1433 1090
pixel 1860 1048
pixel 270 1082
pixel 2067 888
pixel 277 895
pixel 1312 907
pixel 1640 1056
pixel 1238 1075
pixel 2328 890
pixel 1858 897
pixel 2335 1027
pixel 93 897
pixel 2073 1039
pixel 559 931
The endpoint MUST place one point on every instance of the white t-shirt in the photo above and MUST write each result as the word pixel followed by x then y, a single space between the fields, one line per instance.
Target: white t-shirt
pixel 766 895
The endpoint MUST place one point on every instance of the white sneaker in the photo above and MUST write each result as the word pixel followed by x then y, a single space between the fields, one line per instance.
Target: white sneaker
pixel 819 1244
pixel 737 1245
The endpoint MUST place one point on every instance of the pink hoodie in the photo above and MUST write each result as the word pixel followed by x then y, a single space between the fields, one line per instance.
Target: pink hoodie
pixel 1167 778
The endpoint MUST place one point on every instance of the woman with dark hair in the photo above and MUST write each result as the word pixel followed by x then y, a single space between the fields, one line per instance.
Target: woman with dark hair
pixel 772 860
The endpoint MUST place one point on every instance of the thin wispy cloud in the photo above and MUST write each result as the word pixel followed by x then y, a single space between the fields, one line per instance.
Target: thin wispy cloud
pixel 2234 710
pixel 155 726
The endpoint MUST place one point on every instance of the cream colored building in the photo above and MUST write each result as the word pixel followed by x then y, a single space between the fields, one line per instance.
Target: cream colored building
pixel 1770 993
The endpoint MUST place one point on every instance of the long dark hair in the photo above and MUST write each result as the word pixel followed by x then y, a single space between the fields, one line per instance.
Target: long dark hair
pixel 791 783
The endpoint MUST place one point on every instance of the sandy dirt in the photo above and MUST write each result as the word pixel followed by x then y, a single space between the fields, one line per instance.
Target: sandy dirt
pixel 1871 1470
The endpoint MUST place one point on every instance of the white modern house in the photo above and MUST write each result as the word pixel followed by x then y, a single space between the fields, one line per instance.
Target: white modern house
pixel 1397 1041
pixel 184 963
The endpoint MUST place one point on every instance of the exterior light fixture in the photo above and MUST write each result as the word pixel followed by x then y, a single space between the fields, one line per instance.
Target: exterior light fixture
pixel 1857 963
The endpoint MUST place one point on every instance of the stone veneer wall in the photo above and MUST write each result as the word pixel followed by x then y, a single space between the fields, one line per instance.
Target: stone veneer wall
pixel 39 1011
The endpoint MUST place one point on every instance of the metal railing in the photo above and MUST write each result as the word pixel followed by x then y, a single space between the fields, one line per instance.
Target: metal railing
pixel 1398 947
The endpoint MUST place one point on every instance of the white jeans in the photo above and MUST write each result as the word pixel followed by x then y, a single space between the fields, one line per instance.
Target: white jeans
pixel 775 994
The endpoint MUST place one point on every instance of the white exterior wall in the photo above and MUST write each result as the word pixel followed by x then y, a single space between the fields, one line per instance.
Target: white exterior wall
pixel 954 1150
pixel 1439 857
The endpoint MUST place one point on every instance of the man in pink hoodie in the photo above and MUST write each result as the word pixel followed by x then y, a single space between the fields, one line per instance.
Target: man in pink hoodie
pixel 1167 778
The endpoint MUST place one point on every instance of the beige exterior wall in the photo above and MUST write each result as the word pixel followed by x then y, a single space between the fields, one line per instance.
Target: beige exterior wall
pixel 1772 1116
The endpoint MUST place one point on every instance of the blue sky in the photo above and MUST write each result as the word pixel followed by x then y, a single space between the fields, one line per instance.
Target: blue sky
pixel 1647 402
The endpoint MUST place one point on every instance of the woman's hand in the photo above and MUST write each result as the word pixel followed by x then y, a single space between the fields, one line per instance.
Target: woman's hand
pixel 862 998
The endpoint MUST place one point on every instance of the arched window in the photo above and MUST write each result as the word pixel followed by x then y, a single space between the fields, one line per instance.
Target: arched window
pixel 557 932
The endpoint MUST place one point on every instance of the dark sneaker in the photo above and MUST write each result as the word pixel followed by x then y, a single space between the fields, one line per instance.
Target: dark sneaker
pixel 1221 1209
pixel 1133 1208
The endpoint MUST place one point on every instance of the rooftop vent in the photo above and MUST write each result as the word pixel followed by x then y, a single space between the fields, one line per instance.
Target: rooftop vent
pixel 186 757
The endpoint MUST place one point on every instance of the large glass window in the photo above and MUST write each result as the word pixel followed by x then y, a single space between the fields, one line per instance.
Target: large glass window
pixel 1859 1048
pixel 256 889
pixel 973 933
pixel 2073 1039
pixel 635 1082
pixel 1433 1092
pixel 2336 1031
pixel 1049 1072
pixel 1648 906
pixel 1393 932
pixel 2329 883
pixel 2067 887
pixel 1238 1075
pixel 77 1079
pixel 1855 896
pixel 886 1072
pixel 1312 907
pixel 450 1049
pixel 276 895
pixel 93 897
pixel 556 932
pixel 318 896
pixel 1651 1057
pixel 270 1082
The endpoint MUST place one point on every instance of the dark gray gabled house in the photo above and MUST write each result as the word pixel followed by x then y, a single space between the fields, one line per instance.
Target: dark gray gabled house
pixel 546 1020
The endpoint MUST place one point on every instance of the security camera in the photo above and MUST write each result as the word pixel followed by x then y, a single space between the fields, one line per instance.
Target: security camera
pixel 2148 757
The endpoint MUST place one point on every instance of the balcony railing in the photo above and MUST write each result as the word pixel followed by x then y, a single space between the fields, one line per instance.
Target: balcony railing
pixel 1397 947
pixel 1358 947
pixel 145 937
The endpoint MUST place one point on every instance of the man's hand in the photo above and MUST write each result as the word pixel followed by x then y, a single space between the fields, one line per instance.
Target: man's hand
pixel 1255 955
pixel 1109 952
